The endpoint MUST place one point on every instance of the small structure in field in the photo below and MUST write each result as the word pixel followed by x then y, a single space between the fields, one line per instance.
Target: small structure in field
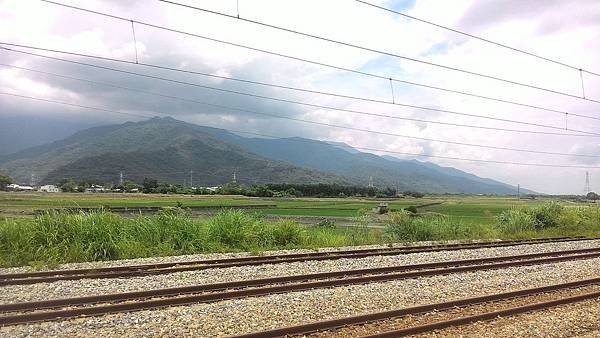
pixel 49 188
pixel 382 208
pixel 16 187
pixel 95 189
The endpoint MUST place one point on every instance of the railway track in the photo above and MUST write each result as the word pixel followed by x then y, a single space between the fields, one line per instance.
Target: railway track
pixel 405 321
pixel 29 312
pixel 196 265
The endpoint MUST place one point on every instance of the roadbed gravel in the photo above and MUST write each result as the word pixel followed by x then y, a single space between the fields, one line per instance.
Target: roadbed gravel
pixel 184 258
pixel 436 316
pixel 573 320
pixel 259 313
pixel 87 287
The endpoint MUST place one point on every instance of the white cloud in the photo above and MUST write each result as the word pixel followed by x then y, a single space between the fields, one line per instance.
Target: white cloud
pixel 546 33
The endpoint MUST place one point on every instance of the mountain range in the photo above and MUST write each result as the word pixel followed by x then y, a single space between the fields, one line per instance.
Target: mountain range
pixel 168 149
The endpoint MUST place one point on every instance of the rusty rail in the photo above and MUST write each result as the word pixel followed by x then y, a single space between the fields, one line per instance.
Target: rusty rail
pixel 196 265
pixel 260 287
pixel 378 316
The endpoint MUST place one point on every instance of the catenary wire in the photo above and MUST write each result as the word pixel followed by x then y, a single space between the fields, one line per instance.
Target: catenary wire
pixel 318 63
pixel 377 51
pixel 293 101
pixel 402 153
pixel 229 107
pixel 309 122
pixel 499 44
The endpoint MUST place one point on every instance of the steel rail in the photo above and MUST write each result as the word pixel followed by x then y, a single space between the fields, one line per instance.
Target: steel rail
pixel 484 316
pixel 196 265
pixel 333 324
pixel 192 296
pixel 46 304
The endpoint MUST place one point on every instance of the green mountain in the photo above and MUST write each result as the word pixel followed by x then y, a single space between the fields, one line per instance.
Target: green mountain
pixel 161 148
pixel 167 149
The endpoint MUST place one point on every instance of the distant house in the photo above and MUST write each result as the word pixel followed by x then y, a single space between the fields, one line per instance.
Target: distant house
pixel 95 189
pixel 49 188
pixel 16 187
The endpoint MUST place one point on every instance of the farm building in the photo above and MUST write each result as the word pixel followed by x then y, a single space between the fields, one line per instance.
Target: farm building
pixel 49 188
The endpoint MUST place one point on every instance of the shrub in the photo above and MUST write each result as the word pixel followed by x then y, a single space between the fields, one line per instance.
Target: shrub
pixel 547 214
pixel 287 232
pixel 326 223
pixel 412 209
pixel 515 220
pixel 232 228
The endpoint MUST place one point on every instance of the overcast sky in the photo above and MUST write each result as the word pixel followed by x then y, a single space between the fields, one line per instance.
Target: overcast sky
pixel 568 31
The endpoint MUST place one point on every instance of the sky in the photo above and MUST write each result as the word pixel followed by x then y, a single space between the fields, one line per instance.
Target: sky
pixel 566 31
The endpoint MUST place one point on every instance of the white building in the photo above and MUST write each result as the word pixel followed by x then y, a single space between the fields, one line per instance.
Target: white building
pixel 49 188
pixel 16 187
pixel 95 188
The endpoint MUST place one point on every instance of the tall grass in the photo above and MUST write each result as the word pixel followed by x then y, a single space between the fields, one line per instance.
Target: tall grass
pixel 406 226
pixel 61 237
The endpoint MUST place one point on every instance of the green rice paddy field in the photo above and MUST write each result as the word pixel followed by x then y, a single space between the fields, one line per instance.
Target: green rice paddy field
pixel 467 209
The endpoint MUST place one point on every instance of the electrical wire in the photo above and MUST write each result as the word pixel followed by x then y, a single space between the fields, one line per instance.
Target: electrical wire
pixel 499 44
pixel 293 101
pixel 322 64
pixel 316 123
pixel 424 155
pixel 381 52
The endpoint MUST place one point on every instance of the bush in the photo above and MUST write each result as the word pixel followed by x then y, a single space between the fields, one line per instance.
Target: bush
pixel 515 220
pixel 231 228
pixel 406 226
pixel 286 233
pixel 326 223
pixel 547 214
pixel 412 209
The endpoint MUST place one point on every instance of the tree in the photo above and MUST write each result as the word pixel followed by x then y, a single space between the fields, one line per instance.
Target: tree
pixel 592 196
pixel 68 185
pixel 5 180
pixel 149 185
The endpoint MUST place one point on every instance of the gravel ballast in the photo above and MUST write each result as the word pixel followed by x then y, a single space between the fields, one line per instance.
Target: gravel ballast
pixel 260 313
pixel 87 287
pixel 448 314
pixel 573 320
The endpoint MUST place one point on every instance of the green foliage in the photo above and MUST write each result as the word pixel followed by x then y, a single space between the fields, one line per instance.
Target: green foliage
pixel 405 226
pixel 59 237
pixel 326 223
pixel 412 209
pixel 515 220
pixel 5 180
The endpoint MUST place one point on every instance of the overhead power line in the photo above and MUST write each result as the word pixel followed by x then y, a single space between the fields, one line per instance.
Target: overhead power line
pixel 381 52
pixel 321 64
pixel 499 44
pixel 283 117
pixel 331 125
pixel 353 111
pixel 364 148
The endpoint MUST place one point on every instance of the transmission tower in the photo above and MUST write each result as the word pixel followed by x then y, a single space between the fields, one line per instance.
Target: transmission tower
pixel 234 178
pixel 587 189
pixel 121 178
pixel 371 182
pixel 191 179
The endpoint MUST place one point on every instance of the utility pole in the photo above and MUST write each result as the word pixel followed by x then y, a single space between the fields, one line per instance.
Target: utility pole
pixel 121 178
pixel 518 191
pixel 191 178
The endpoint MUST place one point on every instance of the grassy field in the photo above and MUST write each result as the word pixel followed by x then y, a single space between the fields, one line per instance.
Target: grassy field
pixel 472 210
pixel 54 237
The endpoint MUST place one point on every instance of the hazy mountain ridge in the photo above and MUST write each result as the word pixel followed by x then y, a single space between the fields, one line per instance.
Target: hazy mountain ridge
pixel 167 149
